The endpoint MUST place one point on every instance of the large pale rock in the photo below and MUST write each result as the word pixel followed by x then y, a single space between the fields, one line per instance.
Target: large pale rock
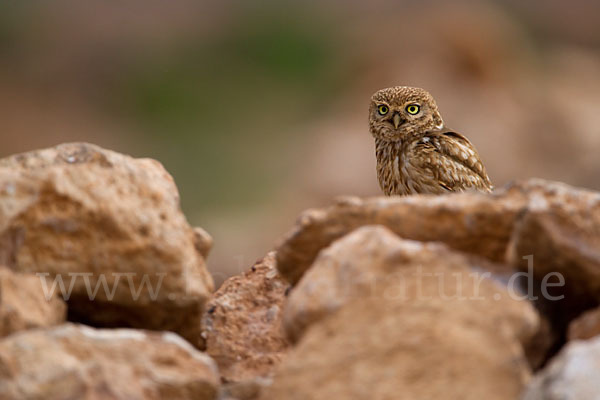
pixel 374 262
pixel 78 362
pixel 242 323
pixel 398 319
pixel 476 223
pixel 586 326
pixel 574 374
pixel 23 304
pixel 558 237
pixel 110 228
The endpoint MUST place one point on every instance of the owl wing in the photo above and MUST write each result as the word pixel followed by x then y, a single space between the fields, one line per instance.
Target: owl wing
pixel 448 161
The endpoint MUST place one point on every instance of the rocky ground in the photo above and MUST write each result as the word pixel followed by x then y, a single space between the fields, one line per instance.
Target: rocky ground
pixel 104 293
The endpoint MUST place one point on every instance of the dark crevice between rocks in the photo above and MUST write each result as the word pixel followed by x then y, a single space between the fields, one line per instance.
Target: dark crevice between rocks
pixel 105 314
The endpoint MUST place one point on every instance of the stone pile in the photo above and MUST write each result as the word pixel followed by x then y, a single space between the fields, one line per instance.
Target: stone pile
pixel 104 293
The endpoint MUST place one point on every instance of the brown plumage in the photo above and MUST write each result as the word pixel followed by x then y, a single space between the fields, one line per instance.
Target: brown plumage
pixel 415 152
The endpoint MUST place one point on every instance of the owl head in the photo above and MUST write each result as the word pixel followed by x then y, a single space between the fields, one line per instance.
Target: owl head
pixel 400 112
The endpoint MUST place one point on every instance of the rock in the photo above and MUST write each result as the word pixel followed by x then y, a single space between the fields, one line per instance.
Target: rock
pixel 374 262
pixel 109 228
pixel 560 230
pixel 586 326
pixel 78 362
pixel 476 223
pixel 572 375
pixel 242 323
pixel 414 322
pixel 24 306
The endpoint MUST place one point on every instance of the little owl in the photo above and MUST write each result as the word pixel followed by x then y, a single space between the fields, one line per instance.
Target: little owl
pixel 415 152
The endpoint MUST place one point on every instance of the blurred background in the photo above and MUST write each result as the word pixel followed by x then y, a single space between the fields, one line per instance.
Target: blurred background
pixel 259 110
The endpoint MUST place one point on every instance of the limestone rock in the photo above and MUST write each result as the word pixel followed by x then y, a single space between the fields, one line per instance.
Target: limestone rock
pixel 24 306
pixel 574 374
pixel 242 323
pixel 108 227
pixel 586 326
pixel 374 262
pixel 560 230
pixel 403 320
pixel 78 362
pixel 475 223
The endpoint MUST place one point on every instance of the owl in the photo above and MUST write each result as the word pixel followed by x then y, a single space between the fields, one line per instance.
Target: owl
pixel 415 152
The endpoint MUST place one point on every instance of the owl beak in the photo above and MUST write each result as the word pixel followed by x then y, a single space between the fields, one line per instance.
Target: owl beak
pixel 397 120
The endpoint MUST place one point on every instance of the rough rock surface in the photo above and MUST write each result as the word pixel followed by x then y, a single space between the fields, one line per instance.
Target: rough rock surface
pixel 574 374
pixel 374 262
pixel 24 306
pixel 586 326
pixel 543 214
pixel 475 223
pixel 108 226
pixel 412 327
pixel 78 362
pixel 560 228
pixel 242 323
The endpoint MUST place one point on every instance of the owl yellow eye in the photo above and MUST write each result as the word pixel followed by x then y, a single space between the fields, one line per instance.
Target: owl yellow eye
pixel 383 109
pixel 412 109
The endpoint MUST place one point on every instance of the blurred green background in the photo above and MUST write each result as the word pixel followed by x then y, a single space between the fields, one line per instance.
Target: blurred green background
pixel 259 109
